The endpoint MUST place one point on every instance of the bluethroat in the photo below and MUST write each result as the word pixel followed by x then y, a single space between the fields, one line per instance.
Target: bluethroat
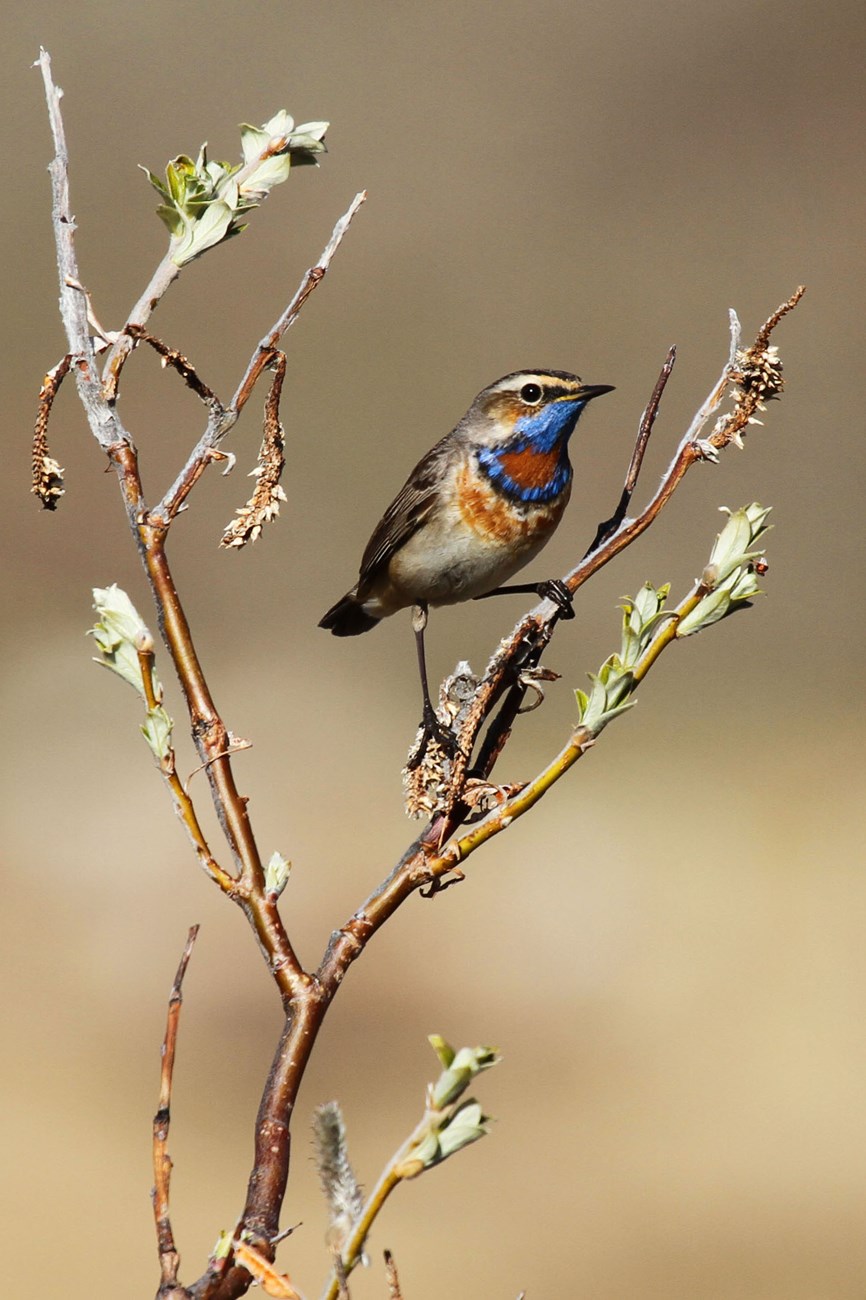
pixel 477 508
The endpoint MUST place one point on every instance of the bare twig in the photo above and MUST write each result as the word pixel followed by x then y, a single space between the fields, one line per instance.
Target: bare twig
pixel 609 526
pixel 169 1259
pixel 260 360
pixel 177 361
pixel 160 282
pixel 261 356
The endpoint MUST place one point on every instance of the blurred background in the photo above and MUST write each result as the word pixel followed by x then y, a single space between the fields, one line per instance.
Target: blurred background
pixel 669 952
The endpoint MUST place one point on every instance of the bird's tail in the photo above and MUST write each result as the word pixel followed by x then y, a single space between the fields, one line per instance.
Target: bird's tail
pixel 348 617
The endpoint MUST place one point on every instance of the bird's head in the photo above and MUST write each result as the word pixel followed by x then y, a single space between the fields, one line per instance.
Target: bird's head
pixel 521 426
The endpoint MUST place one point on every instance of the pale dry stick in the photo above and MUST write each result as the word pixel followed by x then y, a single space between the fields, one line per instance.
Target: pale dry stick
pixel 169 1259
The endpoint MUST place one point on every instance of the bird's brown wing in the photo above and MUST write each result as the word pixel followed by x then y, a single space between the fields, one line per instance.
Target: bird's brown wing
pixel 410 508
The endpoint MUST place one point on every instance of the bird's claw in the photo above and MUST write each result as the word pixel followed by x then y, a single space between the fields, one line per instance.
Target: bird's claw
pixel 554 589
pixel 432 728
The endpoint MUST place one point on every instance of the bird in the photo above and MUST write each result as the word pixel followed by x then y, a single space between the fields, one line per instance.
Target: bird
pixel 476 509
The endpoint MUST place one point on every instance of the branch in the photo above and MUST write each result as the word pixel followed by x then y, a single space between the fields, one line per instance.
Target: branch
pixel 424 863
pixel 262 357
pixel 500 729
pixel 311 280
pixel 431 860
pixel 169 1259
pixel 608 527
pixel 449 1124
pixel 178 362
pixel 104 424
pixel 203 205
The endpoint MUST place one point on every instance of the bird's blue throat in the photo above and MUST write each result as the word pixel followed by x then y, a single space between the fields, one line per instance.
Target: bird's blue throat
pixel 532 466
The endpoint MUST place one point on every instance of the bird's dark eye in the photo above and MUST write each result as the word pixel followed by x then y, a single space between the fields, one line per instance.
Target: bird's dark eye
pixel 531 393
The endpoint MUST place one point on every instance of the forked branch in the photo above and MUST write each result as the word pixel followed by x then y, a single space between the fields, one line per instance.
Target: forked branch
pixel 435 857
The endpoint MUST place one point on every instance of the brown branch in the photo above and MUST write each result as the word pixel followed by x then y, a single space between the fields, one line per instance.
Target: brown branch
pixel 424 861
pixel 177 361
pixel 183 804
pixel 609 526
pixel 169 1259
pixel 209 732
pixel 500 728
pixel 212 740
pixel 431 860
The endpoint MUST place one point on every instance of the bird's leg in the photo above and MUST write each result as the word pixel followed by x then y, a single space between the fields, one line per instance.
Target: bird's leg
pixel 552 589
pixel 433 728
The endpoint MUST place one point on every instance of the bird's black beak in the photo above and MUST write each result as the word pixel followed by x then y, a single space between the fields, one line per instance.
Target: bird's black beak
pixel 587 391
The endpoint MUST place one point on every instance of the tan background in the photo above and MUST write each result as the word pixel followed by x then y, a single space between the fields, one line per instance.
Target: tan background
pixel 670 951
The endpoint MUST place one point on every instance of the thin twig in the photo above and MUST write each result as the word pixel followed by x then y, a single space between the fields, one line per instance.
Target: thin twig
pixel 162 279
pixel 311 280
pixel 609 526
pixel 260 360
pixel 104 424
pixel 177 361
pixel 169 1259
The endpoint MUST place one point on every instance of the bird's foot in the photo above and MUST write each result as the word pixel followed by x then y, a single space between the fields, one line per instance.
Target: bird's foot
pixel 555 589
pixel 433 729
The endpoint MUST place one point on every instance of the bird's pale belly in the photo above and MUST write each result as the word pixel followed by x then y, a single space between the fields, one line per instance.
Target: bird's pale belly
pixel 469 547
